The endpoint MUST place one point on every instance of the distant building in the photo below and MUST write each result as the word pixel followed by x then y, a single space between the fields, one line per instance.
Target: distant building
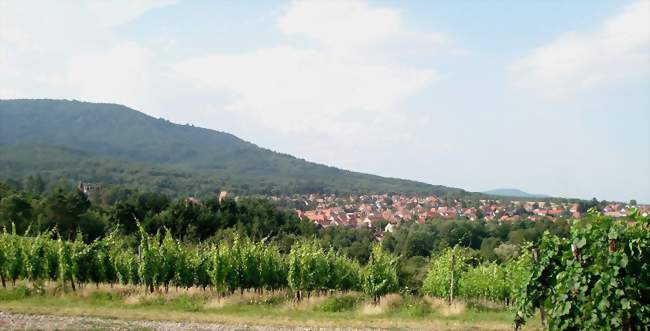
pixel 222 195
pixel 88 188
pixel 192 201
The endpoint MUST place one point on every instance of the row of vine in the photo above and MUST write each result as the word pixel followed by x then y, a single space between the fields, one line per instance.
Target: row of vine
pixel 160 261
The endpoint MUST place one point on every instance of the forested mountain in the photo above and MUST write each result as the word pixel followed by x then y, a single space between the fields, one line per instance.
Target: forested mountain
pixel 513 192
pixel 60 140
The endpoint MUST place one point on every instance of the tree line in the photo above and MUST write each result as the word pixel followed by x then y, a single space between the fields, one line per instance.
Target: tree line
pixel 70 212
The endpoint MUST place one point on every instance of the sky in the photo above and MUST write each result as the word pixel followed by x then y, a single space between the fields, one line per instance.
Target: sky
pixel 549 97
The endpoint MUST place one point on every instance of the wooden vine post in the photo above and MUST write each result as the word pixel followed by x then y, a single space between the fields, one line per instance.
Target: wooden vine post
pixel 612 246
pixel 451 281
pixel 628 322
pixel 540 303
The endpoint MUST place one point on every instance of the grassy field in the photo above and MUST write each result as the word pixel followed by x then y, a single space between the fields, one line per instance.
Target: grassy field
pixel 350 311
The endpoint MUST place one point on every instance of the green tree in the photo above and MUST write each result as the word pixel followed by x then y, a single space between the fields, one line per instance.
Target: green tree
pixel 17 209
pixel 488 247
pixel 34 185
pixel 64 211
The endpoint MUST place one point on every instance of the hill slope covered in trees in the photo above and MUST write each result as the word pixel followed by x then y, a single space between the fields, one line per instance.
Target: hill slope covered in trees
pixel 73 141
pixel 513 192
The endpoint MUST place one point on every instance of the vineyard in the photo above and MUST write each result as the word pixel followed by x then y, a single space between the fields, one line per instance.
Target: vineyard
pixel 160 262
pixel 596 278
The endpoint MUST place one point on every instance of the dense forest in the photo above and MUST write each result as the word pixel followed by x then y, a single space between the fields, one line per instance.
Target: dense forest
pixel 72 141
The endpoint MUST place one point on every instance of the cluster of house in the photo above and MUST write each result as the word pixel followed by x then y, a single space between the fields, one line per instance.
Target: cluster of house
pixel 390 211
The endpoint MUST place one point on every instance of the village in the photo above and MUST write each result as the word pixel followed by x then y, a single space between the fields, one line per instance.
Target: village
pixel 389 211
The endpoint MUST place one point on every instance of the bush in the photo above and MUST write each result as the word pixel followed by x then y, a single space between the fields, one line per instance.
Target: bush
pixel 415 307
pixel 17 293
pixel 339 304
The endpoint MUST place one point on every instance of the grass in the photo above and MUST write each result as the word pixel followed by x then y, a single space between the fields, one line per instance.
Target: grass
pixel 342 310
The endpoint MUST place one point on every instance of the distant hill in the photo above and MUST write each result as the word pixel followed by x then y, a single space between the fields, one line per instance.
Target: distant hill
pixel 513 192
pixel 62 140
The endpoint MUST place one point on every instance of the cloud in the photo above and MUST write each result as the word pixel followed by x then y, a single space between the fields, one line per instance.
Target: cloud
pixel 336 58
pixel 296 89
pixel 133 75
pixel 124 71
pixel 345 25
pixel 42 42
pixel 576 61
pixel 310 86
pixel 54 25
pixel 341 23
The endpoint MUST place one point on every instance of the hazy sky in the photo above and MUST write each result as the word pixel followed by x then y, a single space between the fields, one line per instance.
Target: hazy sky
pixel 547 96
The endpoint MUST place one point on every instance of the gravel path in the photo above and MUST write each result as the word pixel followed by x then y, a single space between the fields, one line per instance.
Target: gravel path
pixel 15 321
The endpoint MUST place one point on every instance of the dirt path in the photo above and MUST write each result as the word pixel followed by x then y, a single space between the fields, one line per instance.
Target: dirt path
pixel 16 321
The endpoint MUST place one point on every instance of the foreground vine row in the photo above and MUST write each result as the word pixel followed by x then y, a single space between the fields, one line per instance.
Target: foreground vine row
pixel 160 261
pixel 596 279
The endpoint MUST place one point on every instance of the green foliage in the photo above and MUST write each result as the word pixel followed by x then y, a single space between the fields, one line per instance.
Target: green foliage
pixel 596 279
pixel 494 240
pixel 16 208
pixel 486 281
pixel 341 303
pixel 273 268
pixel 64 210
pixel 12 245
pixel 414 307
pixel 542 263
pixel 344 273
pixel 149 269
pixel 162 261
pixel 169 253
pixel 36 259
pixel 471 281
pixel 307 267
pixel 380 275
pixel 67 212
pixel 449 264
pixel 411 273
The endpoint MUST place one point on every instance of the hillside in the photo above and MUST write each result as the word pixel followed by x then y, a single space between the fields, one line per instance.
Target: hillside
pixel 513 192
pixel 113 144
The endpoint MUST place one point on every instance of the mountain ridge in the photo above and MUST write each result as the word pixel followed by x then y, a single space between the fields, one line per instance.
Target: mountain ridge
pixel 513 192
pixel 136 144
